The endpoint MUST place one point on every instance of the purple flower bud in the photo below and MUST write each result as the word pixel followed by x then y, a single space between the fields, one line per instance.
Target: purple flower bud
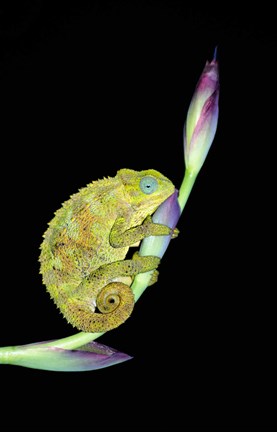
pixel 202 117
pixel 48 357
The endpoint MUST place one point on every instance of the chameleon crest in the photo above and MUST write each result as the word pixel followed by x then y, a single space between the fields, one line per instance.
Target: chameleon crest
pixel 82 259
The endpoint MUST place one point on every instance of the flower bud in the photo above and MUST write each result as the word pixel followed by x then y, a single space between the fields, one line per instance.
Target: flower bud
pixel 47 356
pixel 202 117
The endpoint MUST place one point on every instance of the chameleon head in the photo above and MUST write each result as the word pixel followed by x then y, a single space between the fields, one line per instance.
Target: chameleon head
pixel 146 189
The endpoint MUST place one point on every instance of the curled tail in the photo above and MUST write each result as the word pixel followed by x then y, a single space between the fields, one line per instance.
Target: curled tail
pixel 114 304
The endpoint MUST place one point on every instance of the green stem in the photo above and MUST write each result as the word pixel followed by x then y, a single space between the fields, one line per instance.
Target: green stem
pixel 75 341
pixel 10 355
pixel 6 354
pixel 186 187
pixel 140 284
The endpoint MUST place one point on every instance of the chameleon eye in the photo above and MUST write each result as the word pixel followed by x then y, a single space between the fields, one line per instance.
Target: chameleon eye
pixel 148 185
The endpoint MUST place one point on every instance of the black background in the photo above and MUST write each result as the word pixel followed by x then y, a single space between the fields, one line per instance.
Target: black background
pixel 87 88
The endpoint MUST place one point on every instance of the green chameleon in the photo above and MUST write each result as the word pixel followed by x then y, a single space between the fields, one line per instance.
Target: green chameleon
pixel 82 258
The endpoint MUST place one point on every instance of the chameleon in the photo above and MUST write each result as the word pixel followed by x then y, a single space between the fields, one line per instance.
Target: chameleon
pixel 83 253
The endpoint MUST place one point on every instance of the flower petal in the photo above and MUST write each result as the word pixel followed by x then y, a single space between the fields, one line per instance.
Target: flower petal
pixel 207 84
pixel 201 121
pixel 168 213
pixel 203 133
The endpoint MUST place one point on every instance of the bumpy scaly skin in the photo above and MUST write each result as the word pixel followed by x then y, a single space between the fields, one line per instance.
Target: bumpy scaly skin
pixel 82 255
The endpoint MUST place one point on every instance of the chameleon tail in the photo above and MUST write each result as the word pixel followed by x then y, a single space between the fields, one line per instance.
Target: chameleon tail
pixel 115 303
